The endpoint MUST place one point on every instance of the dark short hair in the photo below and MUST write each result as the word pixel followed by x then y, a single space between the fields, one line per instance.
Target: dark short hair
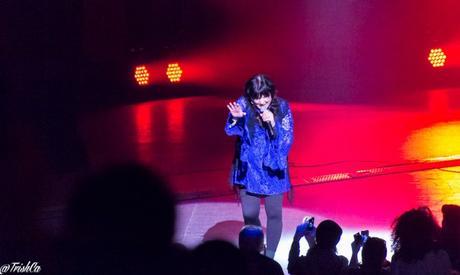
pixel 374 252
pixel 251 238
pixel 258 86
pixel 328 234
pixel 451 215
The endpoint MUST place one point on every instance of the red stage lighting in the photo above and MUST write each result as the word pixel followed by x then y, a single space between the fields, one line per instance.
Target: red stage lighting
pixel 437 57
pixel 141 74
pixel 174 72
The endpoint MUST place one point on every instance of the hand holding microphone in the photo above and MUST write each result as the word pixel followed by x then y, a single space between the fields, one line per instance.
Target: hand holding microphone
pixel 269 120
pixel 267 116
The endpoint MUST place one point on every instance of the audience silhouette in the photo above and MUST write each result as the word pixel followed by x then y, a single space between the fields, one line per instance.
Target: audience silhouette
pixel 322 256
pixel 415 243
pixel 450 233
pixel 218 257
pixel 120 221
pixel 251 243
pixel 373 255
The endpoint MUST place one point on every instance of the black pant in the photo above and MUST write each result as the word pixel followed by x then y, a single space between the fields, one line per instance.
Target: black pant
pixel 273 208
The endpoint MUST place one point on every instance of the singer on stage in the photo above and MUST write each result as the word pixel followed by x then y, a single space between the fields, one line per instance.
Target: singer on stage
pixel 263 125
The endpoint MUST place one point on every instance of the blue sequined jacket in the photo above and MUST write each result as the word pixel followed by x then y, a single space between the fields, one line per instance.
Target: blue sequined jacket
pixel 260 164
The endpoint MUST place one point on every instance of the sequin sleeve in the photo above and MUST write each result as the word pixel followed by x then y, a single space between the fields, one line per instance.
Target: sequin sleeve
pixel 285 130
pixel 276 158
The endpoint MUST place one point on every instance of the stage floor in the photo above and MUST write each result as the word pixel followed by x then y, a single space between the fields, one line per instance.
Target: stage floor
pixel 361 165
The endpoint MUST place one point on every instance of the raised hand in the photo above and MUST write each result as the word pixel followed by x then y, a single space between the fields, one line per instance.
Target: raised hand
pixel 357 243
pixel 300 231
pixel 235 110
pixel 303 230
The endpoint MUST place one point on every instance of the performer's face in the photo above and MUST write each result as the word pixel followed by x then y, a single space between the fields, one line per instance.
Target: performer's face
pixel 263 102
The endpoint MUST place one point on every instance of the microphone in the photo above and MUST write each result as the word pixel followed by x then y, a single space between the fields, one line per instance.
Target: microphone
pixel 267 125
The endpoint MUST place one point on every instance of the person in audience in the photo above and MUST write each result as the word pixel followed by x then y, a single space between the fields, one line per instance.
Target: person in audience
pixel 120 221
pixel 450 233
pixel 218 257
pixel 321 258
pixel 251 243
pixel 251 239
pixel 373 257
pixel 415 243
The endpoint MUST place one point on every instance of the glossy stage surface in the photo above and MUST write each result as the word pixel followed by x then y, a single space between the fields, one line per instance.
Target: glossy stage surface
pixel 361 165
